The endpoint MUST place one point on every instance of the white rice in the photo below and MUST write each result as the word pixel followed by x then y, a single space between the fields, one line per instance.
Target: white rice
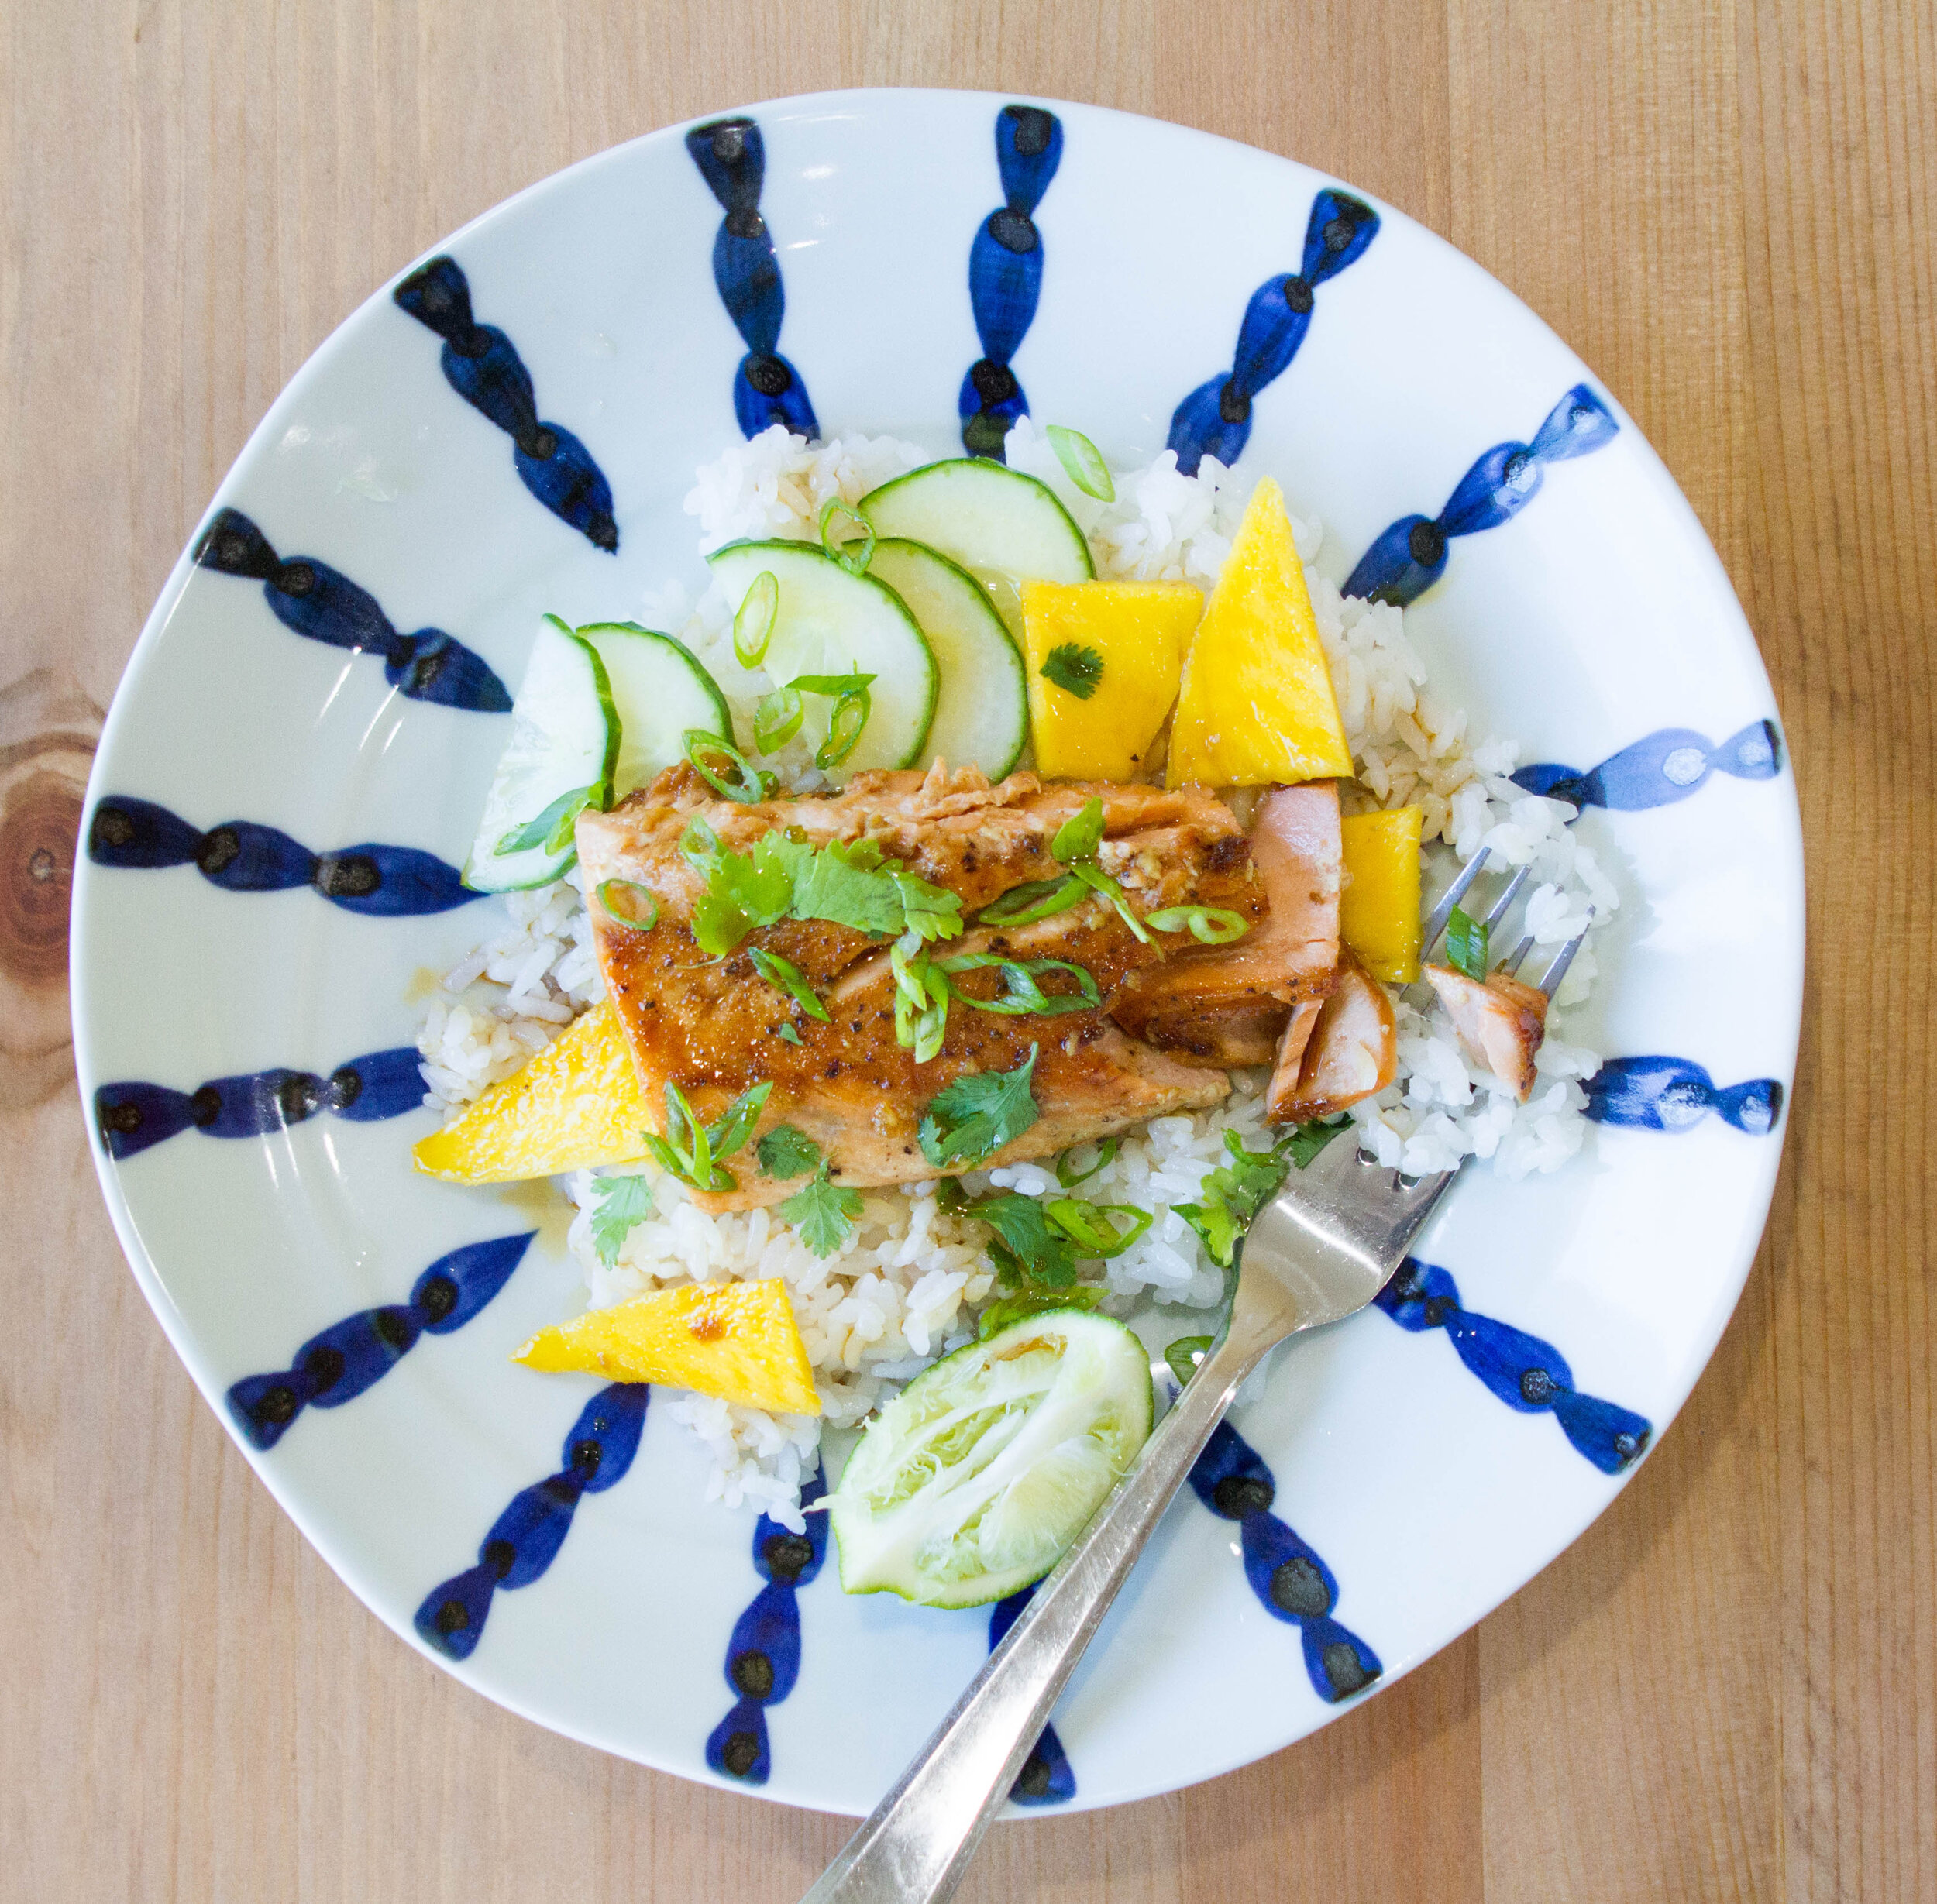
pixel 906 1287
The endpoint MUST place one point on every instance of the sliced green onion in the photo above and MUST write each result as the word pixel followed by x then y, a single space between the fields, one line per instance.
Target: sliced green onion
pixel 1089 1227
pixel 922 997
pixel 852 682
pixel 552 828
pixel 697 845
pixel 744 785
pixel 852 556
pixel 844 727
pixel 1079 836
pixel 1208 925
pixel 777 720
pixel 1040 898
pixel 789 1035
pixel 1183 1354
pixel 1098 881
pixel 1084 462
pixel 604 891
pixel 790 979
pixel 1021 993
pixel 734 1125
pixel 1466 943
pixel 1105 1156
pixel 753 625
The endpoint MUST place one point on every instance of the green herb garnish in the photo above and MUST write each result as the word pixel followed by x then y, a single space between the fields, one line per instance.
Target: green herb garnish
pixel 1232 1196
pixel 1466 943
pixel 1208 925
pixel 789 977
pixel 1069 1178
pixel 739 779
pixel 1083 461
pixel 852 556
pixel 1183 1354
pixel 1098 881
pixel 1040 898
pixel 824 1213
pixel 1087 1226
pixel 787 1151
pixel 1027 1248
pixel 1020 993
pixel 777 720
pixel 690 1150
pixel 788 1035
pixel 553 828
pixel 606 892
pixel 1006 1309
pixel 1074 668
pixel 921 998
pixel 753 625
pixel 623 1201
pixel 845 728
pixel 978 1114
pixel 1079 836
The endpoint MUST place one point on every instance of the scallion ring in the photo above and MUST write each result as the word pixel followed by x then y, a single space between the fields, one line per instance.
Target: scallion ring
pixel 605 889
pixel 1040 898
pixel 845 728
pixel 852 556
pixel 753 625
pixel 777 720
pixel 1208 925
pixel 1084 462
pixel 1089 1227
pixel 744 783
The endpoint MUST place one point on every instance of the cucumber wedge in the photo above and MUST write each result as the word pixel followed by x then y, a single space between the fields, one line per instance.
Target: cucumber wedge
pixel 832 623
pixel 660 691
pixel 976 1478
pixel 982 713
pixel 1004 527
pixel 565 736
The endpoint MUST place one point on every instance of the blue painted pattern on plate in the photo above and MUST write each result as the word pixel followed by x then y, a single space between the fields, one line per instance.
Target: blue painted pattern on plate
pixel 1660 768
pixel 133 1116
pixel 337 1364
pixel 483 366
pixel 240 856
pixel 316 600
pixel 1005 275
pixel 1670 1093
pixel 1292 1582
pixel 763 1654
pixel 767 389
pixel 1215 419
pixel 525 1539
pixel 1520 1370
pixel 1046 1777
pixel 1409 556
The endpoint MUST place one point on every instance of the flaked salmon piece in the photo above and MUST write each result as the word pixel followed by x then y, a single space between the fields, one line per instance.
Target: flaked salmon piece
pixel 1288 1060
pixel 1236 999
pixel 712 1026
pixel 1501 1021
pixel 1351 1049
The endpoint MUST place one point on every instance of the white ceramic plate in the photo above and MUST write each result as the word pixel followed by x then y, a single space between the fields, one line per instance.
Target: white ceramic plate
pixel 1593 621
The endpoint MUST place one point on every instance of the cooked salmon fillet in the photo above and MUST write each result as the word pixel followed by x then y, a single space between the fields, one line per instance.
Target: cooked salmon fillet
pixel 712 1026
pixel 1501 1021
pixel 1346 1051
pixel 1229 1004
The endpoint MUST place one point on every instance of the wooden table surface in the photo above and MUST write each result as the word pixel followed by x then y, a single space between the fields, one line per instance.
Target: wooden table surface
pixel 1728 1689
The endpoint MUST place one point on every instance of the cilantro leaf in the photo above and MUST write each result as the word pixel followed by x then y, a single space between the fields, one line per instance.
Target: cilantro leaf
pixel 1232 1196
pixel 1466 943
pixel 933 912
pixel 837 882
pixel 1029 1247
pixel 1182 1354
pixel 1074 668
pixel 743 891
pixel 824 1213
pixel 979 1113
pixel 787 1151
pixel 1306 1140
pixel 623 1201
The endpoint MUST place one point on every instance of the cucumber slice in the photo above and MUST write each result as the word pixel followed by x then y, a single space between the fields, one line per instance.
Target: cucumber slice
pixel 975 1479
pixel 1004 527
pixel 565 735
pixel 660 691
pixel 832 623
pixel 982 713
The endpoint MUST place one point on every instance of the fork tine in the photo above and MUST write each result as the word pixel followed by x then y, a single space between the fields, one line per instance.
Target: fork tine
pixel 1436 923
pixel 1564 958
pixel 1511 963
pixel 1511 892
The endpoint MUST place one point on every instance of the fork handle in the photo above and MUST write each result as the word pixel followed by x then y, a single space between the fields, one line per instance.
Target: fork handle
pixel 916 1844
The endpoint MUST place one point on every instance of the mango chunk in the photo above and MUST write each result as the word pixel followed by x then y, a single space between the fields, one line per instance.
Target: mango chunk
pixel 576 1106
pixel 1378 909
pixel 1257 707
pixel 1137 631
pixel 738 1341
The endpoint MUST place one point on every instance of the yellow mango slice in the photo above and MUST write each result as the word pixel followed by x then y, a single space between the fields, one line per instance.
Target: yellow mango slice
pixel 1378 909
pixel 735 1340
pixel 1258 708
pixel 576 1106
pixel 1140 630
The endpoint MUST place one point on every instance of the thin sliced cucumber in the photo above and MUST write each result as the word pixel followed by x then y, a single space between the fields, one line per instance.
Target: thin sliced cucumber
pixel 976 1478
pixel 661 692
pixel 1004 527
pixel 982 713
pixel 831 622
pixel 565 735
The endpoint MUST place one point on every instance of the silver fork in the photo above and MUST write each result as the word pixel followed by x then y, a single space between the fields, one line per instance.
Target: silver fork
pixel 1318 1252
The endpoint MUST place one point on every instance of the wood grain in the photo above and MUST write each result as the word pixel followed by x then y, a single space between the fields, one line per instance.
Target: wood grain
pixel 1728 1689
